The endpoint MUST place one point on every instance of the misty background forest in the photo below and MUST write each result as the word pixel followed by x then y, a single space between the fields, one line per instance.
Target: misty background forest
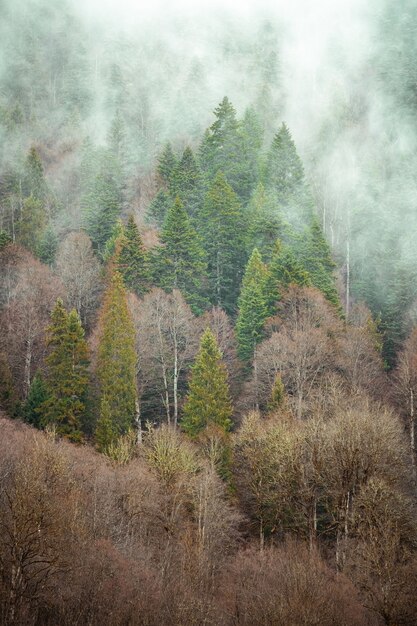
pixel 208 313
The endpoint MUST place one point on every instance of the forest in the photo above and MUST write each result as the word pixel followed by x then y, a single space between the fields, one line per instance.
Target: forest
pixel 208 313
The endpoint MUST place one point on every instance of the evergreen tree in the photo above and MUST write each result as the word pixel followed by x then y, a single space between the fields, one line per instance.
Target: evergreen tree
pixel 106 431
pixel 47 246
pixel 180 262
pixel 167 163
pixel 159 207
pixel 31 226
pixel 37 396
pixel 34 183
pixel 208 401
pixel 8 397
pixel 284 270
pixel 132 261
pixel 5 239
pixel 253 306
pixel 187 182
pixel 111 243
pixel 224 230
pixel 116 362
pixel 252 138
pixel 316 258
pixel 223 150
pixel 265 221
pixel 67 379
pixel 284 170
pixel 104 201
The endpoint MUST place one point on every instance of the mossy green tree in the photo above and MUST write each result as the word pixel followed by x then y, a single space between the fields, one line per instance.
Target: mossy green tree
pixel 253 306
pixel 116 360
pixel 132 259
pixel 223 226
pixel 67 379
pixel 208 401
pixel 180 263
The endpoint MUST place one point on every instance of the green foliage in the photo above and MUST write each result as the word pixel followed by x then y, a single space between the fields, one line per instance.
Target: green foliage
pixel 132 259
pixel 284 170
pixel 315 254
pixel 8 397
pixel 208 400
pixel 253 306
pixel 223 226
pixel 34 183
pixel 37 396
pixel 47 246
pixel 229 149
pixel 167 163
pixel 277 398
pixel 187 182
pixel 5 239
pixel 180 262
pixel 103 200
pixel 67 377
pixel 111 243
pixel 32 223
pixel 116 362
pixel 159 207
pixel 265 221
pixel 106 432
pixel 284 270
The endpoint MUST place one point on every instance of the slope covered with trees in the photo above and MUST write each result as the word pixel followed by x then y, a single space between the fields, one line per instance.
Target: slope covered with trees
pixel 207 376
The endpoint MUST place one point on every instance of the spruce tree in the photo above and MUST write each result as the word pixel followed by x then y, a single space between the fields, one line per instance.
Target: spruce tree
pixel 37 396
pixel 187 182
pixel 315 255
pixel 253 306
pixel 208 401
pixel 67 378
pixel 167 163
pixel 34 183
pixel 132 259
pixel 266 224
pixel 223 226
pixel 116 362
pixel 284 169
pixel 180 262
pixel 284 270
pixel 159 207
pixel 106 430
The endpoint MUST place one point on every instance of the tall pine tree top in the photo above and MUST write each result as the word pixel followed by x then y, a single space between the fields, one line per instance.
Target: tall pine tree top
pixel 167 162
pixel 253 306
pixel 132 261
pixel 208 400
pixel 284 169
pixel 223 226
pixel 116 362
pixel 180 262
pixel 187 182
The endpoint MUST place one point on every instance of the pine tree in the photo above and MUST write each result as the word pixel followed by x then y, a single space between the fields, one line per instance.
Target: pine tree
pixel 316 258
pixel 5 239
pixel 187 182
pixel 37 396
pixel 106 431
pixel 284 270
pixel 47 246
pixel 167 163
pixel 159 207
pixel 266 224
pixel 223 226
pixel 34 183
pixel 180 262
pixel 284 169
pixel 132 259
pixel 208 401
pixel 31 226
pixel 67 378
pixel 116 362
pixel 223 150
pixel 253 306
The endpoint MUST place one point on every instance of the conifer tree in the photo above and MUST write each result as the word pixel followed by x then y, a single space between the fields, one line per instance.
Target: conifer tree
pixel 5 239
pixel 67 379
pixel 167 163
pixel 284 270
pixel 116 362
pixel 132 260
pixel 316 257
pixel 34 183
pixel 187 182
pixel 180 262
pixel 266 224
pixel 32 223
pixel 106 430
pixel 37 396
pixel 159 207
pixel 253 306
pixel 47 246
pixel 208 401
pixel 284 169
pixel 223 226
